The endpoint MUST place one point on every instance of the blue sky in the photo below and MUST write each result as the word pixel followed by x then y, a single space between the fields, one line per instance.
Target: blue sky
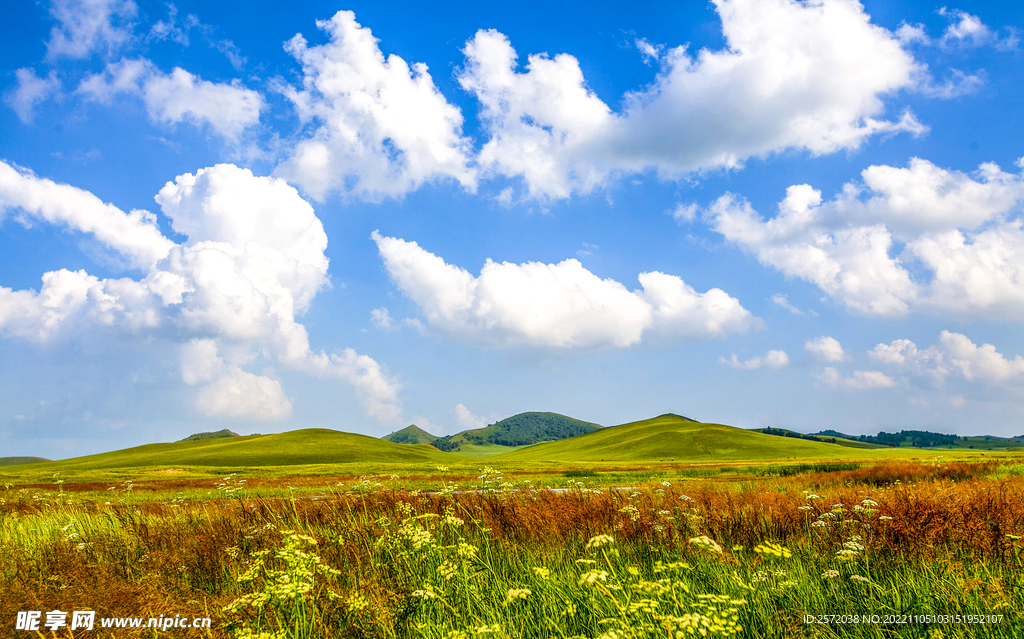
pixel 756 212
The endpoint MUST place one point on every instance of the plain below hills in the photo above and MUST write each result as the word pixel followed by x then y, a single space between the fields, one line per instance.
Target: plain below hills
pixel 307 446
pixel 674 438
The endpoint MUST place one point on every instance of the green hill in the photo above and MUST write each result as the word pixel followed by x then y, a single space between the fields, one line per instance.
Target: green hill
pixel 679 439
pixel 214 435
pixel 308 446
pixel 14 461
pixel 519 430
pixel 411 434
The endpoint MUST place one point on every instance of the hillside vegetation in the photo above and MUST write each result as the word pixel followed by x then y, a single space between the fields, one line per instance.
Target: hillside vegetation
pixel 411 434
pixel 680 439
pixel 928 439
pixel 519 430
pixel 307 446
pixel 214 435
pixel 828 437
pixel 14 461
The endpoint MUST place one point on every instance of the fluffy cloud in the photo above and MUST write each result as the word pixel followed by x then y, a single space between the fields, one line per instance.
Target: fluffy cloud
pixel 382 318
pixel 84 26
pixel 958 228
pixel 807 76
pixel 253 261
pixel 861 380
pixel 379 126
pixel 228 108
pixel 542 123
pixel 229 391
pixel 924 197
pixel 964 30
pixel 773 360
pixel 467 419
pixel 558 306
pixel 30 91
pixel 239 394
pixel 826 349
pixel 135 235
pixel 955 354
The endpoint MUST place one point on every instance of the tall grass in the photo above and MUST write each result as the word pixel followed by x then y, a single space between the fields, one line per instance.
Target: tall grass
pixel 498 558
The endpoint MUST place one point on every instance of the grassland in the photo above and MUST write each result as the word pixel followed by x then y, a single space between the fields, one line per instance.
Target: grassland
pixel 498 555
pixel 659 528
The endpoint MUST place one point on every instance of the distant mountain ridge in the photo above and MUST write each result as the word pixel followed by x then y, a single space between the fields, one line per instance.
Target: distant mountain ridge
pixel 928 439
pixel 523 429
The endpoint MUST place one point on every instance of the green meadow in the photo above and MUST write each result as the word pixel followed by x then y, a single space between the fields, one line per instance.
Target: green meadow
pixel 660 528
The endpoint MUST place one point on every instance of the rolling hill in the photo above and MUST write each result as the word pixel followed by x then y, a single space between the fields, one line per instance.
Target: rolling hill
pixel 14 461
pixel 519 430
pixel 679 439
pixel 307 446
pixel 411 434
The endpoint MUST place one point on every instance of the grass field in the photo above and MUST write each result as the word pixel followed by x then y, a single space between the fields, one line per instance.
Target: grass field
pixel 619 551
pixel 660 528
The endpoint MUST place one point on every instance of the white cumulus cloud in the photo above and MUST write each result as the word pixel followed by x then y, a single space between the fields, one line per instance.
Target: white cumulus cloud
pixel 826 349
pixel 467 419
pixel 965 29
pixel 963 231
pixel 861 380
pixel 254 260
pixel 227 390
pixel 228 108
pixel 773 360
pixel 793 75
pixel 379 127
pixel 954 354
pixel 382 318
pixel 133 234
pixel 559 306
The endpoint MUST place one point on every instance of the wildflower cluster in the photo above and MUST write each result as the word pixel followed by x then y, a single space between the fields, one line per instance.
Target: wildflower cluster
pixel 284 582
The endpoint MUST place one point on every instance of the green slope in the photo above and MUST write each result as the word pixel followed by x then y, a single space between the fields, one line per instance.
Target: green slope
pixel 14 461
pixel 411 434
pixel 674 437
pixel 519 430
pixel 308 446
